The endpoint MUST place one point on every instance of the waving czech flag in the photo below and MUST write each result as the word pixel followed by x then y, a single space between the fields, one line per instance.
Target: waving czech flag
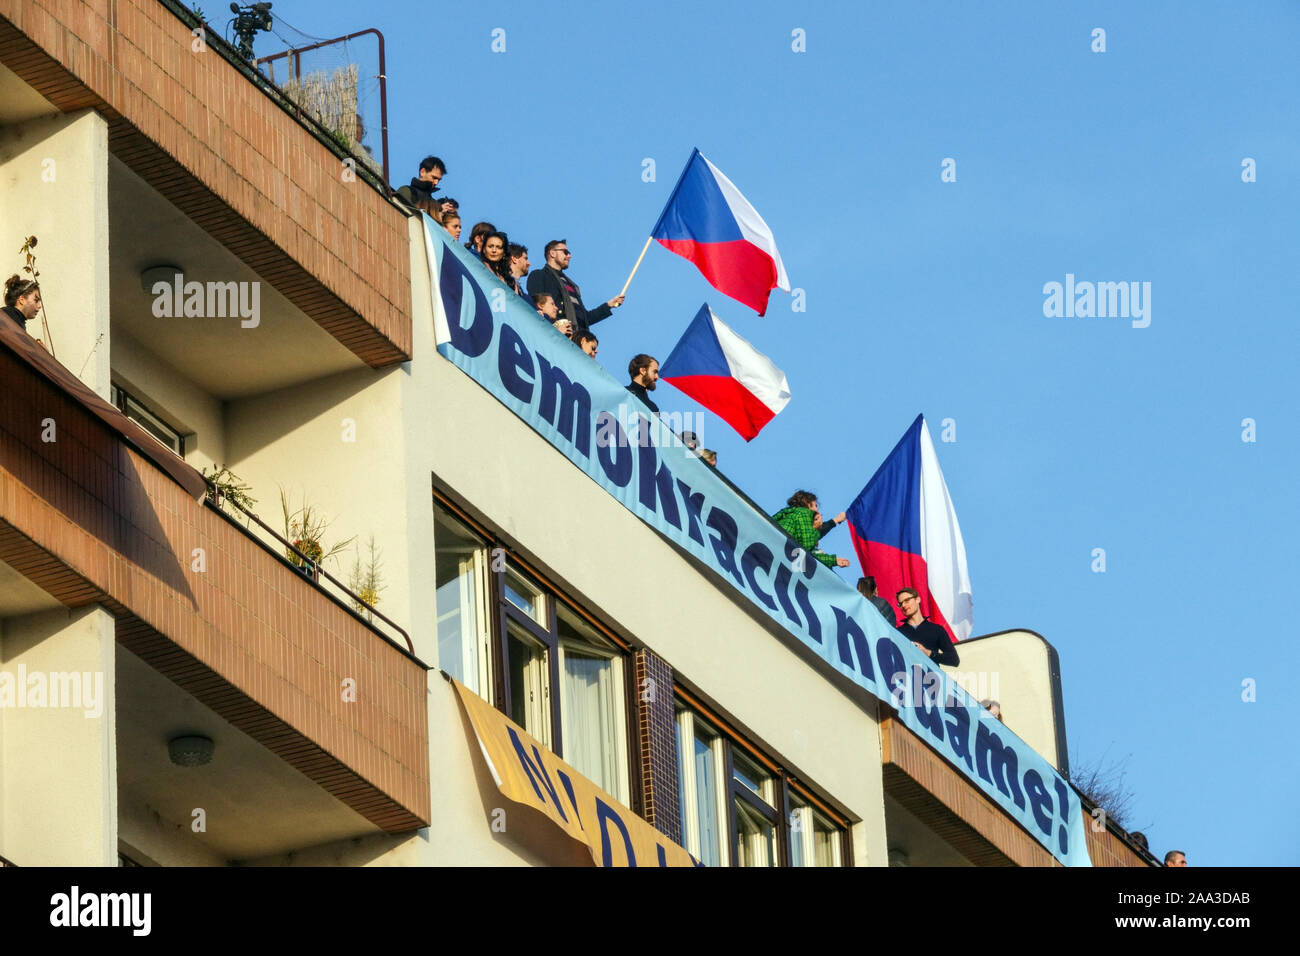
pixel 726 374
pixel 710 223
pixel 905 533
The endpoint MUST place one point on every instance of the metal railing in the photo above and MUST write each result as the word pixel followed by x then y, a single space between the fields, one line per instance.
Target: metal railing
pixel 309 569
pixel 294 57
pixel 317 129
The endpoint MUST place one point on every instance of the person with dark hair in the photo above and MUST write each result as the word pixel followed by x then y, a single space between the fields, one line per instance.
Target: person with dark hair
pixel 801 519
pixel 553 280
pixel 451 222
pixel 867 588
pixel 644 372
pixel 517 260
pixel 22 300
pixel 432 207
pixel 494 255
pixel 1175 858
pixel 423 186
pixel 480 232
pixel 587 342
pixel 931 639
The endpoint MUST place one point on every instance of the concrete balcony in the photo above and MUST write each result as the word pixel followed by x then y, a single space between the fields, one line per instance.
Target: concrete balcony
pixel 110 565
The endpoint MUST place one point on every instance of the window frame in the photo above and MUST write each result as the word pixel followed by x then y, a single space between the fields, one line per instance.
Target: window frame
pixel 484 634
pixel 731 790
pixel 123 399
pixel 502 613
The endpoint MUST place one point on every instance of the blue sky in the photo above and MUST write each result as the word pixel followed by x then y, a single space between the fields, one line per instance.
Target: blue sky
pixel 924 296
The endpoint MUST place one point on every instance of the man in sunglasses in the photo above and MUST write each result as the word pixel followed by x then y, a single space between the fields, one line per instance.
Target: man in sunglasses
pixel 552 280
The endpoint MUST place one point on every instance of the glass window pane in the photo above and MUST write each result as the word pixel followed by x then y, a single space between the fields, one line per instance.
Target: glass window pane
pixel 826 842
pixel 707 765
pixel 530 698
pixel 459 565
pixel 814 839
pixel 164 433
pixel 751 775
pixel 755 837
pixel 590 708
pixel 800 822
pixel 699 762
pixel 592 704
pixel 525 595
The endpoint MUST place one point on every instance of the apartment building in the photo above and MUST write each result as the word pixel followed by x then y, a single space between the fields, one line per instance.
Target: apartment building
pixel 515 676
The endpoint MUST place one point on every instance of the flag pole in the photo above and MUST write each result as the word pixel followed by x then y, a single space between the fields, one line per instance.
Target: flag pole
pixel 637 266
pixel 671 196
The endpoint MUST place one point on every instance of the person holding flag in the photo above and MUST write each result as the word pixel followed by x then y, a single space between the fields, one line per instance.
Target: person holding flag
pixel 553 280
pixel 906 536
pixel 801 519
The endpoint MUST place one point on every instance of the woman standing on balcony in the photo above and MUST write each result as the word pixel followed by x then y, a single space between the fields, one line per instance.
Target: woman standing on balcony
pixel 22 300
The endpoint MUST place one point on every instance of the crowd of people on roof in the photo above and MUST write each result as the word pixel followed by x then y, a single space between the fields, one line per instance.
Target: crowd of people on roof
pixel 549 290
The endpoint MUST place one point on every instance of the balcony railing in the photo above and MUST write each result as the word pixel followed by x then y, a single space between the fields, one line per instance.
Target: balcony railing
pixel 310 570
pixel 317 129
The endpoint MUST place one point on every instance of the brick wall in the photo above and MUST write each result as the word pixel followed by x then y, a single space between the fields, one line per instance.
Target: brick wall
pixel 91 521
pixel 219 149
pixel 657 744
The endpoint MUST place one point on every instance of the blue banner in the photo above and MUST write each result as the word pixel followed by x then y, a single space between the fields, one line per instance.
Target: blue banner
pixel 572 402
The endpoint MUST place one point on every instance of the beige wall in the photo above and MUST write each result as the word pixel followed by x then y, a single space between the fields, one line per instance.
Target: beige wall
pixel 148 838
pixel 58 770
pixel 54 185
pixel 173 397
pixel 1014 668
pixel 298 439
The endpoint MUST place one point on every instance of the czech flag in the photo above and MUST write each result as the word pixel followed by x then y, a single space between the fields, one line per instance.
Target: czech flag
pixel 905 533
pixel 710 223
pixel 727 375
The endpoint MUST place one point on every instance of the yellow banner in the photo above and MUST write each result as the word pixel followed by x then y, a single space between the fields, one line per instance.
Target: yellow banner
pixel 528 773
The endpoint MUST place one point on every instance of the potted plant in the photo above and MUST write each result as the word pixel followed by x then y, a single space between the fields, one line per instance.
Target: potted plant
pixel 305 530
pixel 225 485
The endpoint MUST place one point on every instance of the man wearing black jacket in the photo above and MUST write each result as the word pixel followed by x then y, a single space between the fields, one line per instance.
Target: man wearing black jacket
pixel 929 637
pixel 552 280
pixel 432 169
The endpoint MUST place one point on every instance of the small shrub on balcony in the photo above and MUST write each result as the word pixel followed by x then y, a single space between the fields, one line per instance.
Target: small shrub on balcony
pixel 305 529
pixel 366 579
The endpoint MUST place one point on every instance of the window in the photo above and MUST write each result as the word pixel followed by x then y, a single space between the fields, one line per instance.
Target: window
pixel 155 426
pixel 461 574
pixel 814 839
pixel 754 820
pixel 529 682
pixel 510 638
pixel 593 705
pixel 730 805
pixel 700 762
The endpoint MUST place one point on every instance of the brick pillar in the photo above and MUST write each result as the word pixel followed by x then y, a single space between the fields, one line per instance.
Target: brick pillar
pixel 657 743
